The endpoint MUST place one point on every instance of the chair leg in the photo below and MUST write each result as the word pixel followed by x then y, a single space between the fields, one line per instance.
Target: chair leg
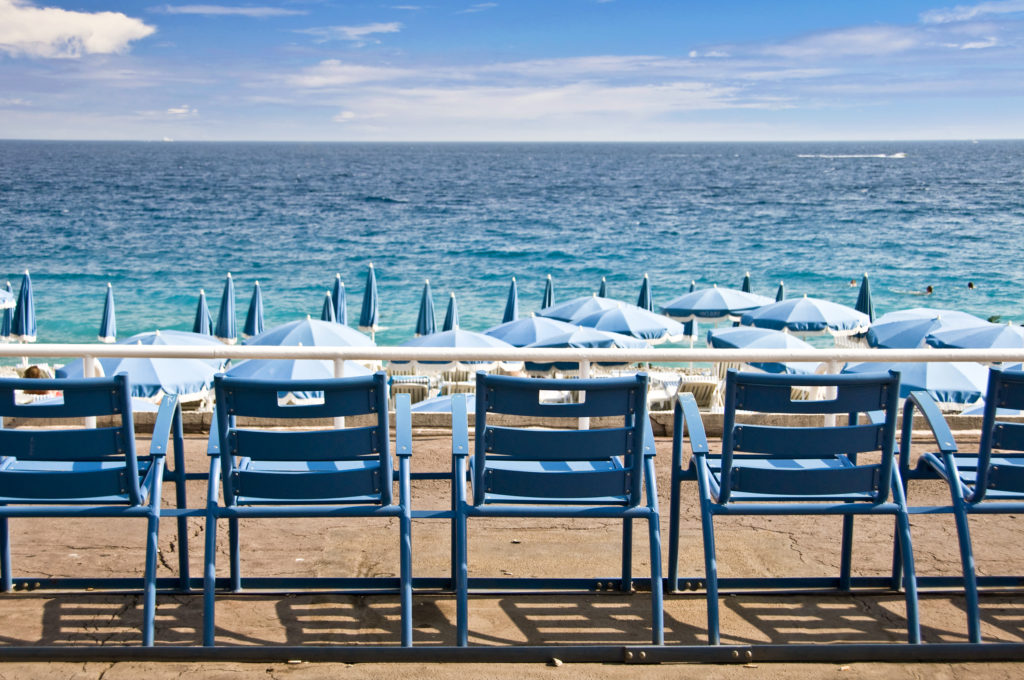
pixel 236 555
pixel 6 580
pixel 182 501
pixel 209 580
pixel 673 532
pixel 963 534
pixel 657 595
pixel 627 555
pixel 846 553
pixel 405 575
pixel 461 580
pixel 149 586
pixel 909 572
pixel 711 571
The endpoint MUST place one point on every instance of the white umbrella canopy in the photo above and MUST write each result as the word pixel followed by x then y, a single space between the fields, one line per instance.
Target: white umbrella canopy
pixel 714 304
pixel 808 315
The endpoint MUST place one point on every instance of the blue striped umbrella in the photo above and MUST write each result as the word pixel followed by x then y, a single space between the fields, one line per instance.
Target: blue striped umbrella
pixel 807 315
pixel 908 328
pixel 579 307
pixel 425 324
pixel 225 329
pixel 327 311
pixel 763 338
pixel 7 298
pixel 454 338
pixel 340 303
pixel 23 326
pixel 582 337
pixel 987 336
pixel 369 316
pixel 203 324
pixel 713 304
pixel 451 316
pixel 948 382
pixel 522 332
pixel 636 322
pixel 108 324
pixel 645 300
pixel 254 317
pixel 7 316
pixel 512 303
pixel 549 294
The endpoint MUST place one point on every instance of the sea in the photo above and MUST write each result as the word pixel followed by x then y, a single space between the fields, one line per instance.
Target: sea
pixel 161 220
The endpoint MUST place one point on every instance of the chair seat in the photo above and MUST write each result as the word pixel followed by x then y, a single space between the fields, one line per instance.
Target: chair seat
pixel 331 470
pixel 967 467
pixel 565 470
pixel 787 464
pixel 71 468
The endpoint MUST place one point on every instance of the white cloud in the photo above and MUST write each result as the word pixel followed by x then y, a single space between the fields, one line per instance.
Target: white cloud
pixel 979 44
pixel 857 41
pixel 183 111
pixel 479 7
pixel 407 8
pixel 969 12
pixel 16 101
pixel 223 10
pixel 344 117
pixel 352 33
pixel 51 32
pixel 334 73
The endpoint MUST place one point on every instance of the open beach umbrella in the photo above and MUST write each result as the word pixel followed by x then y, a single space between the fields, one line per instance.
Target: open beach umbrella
pixel 745 287
pixel 908 328
pixel 150 377
pixel 582 337
pixel 327 311
pixel 340 303
pixel 108 324
pixel 254 317
pixel 7 315
pixel 225 328
pixel 442 404
pixel 579 307
pixel 369 315
pixel 603 290
pixel 713 304
pixel 807 315
pixel 645 300
pixel 636 322
pixel 549 294
pixel 23 325
pixel 864 304
pixel 455 338
pixel 990 335
pixel 451 316
pixel 763 338
pixel 522 332
pixel 780 294
pixel 425 324
pixel 203 324
pixel 512 303
pixel 947 382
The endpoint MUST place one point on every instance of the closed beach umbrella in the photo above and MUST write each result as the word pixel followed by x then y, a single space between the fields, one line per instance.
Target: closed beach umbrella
pixel 7 298
pixel 451 316
pixel 254 317
pixel 7 316
pixel 583 337
pixel 549 294
pixel 807 315
pixel 225 329
pixel 108 324
pixel 603 290
pixel 23 326
pixel 151 378
pixel 780 294
pixel 763 338
pixel 203 324
pixel 645 300
pixel 455 338
pixel 369 315
pixel 579 307
pixel 991 335
pixel 948 382
pixel 714 304
pixel 908 328
pixel 636 322
pixel 864 304
pixel 340 303
pixel 693 285
pixel 746 283
pixel 522 332
pixel 327 311
pixel 425 324
pixel 512 303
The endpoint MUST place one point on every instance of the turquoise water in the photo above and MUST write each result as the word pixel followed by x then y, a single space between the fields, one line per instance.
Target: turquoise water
pixel 161 220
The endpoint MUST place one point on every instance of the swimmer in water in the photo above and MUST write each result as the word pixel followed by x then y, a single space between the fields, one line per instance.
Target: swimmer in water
pixel 929 290
pixel 970 285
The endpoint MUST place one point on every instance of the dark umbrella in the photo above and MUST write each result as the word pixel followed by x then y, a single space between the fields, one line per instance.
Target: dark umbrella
pixel 746 283
pixel 8 317
pixel 254 317
pixel 512 304
pixel 425 324
pixel 549 294
pixel 340 304
pixel 864 303
pixel 327 311
pixel 645 300
pixel 203 324
pixel 603 290
pixel 225 330
pixel 693 286
pixel 369 316
pixel 108 324
pixel 451 317
pixel 23 327
pixel 780 294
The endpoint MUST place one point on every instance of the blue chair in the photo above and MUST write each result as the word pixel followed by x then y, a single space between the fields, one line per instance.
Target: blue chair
pixel 337 472
pixel 778 470
pixel 519 471
pixel 987 482
pixel 90 472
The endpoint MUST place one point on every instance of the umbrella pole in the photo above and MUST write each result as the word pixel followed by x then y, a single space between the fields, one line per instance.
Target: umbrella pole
pixel 89 371
pixel 339 372
pixel 584 374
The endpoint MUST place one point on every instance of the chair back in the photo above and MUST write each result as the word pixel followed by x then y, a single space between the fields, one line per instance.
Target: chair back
pixel 342 397
pixel 45 457
pixel 557 449
pixel 1005 390
pixel 768 393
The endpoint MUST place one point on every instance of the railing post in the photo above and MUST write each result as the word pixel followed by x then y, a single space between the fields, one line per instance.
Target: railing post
pixel 339 372
pixel 89 371
pixel 584 374
pixel 831 392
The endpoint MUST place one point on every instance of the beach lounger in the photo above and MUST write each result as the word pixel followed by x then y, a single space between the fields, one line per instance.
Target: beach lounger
pixel 777 470
pixel 342 472
pixel 990 481
pixel 86 472
pixel 524 471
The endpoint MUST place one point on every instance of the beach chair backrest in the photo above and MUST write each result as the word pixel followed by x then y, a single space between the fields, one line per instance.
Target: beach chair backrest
pixel 80 398
pixel 341 398
pixel 854 396
pixel 1005 391
pixel 624 399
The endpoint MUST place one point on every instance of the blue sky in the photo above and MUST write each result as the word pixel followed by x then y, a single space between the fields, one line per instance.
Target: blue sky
pixel 515 70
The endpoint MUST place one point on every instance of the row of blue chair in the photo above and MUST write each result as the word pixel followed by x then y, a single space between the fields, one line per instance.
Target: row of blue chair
pixel 516 470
